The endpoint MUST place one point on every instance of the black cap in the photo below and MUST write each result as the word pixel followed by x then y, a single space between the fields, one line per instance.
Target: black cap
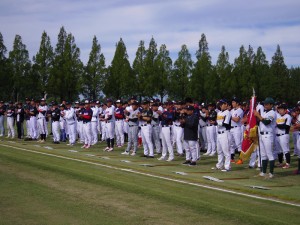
pixel 86 101
pixel 282 106
pixel 62 105
pixel 135 103
pixel 223 101
pixel 190 107
pixel 155 104
pixel 109 100
pixel 235 99
pixel 145 101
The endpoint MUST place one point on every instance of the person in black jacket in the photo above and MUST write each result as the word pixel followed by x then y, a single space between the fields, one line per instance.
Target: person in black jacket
pixel 190 135
pixel 20 114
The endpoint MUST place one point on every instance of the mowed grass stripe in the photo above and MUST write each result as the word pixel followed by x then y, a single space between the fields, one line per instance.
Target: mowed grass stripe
pixel 166 201
pixel 159 177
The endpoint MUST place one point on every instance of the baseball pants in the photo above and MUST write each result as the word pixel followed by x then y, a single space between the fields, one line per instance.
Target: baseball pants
pixel 202 137
pixel 94 129
pixel 72 133
pixel 80 131
pixel 236 139
pixel 178 134
pixel 119 128
pixel 295 139
pixel 2 129
pixel 283 143
pixel 146 132
pixel 190 150
pixel 42 126
pixel 55 130
pixel 211 139
pixel 33 127
pixel 132 138
pixel 266 146
pixel 223 150
pixel 103 131
pixel 87 133
pixel 166 143
pixel 156 137
pixel 10 127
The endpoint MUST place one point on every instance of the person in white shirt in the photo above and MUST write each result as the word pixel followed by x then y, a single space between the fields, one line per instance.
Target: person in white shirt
pixel 94 122
pixel 267 123
pixel 283 124
pixel 223 137
pixel 110 125
pixel 70 117
pixel 41 120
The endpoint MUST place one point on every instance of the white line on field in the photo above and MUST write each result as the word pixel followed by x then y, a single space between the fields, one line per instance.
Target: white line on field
pixel 156 176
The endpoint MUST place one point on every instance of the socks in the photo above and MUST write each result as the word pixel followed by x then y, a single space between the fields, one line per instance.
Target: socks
pixel 232 156
pixel 108 142
pixel 112 142
pixel 288 158
pixel 272 163
pixel 265 165
pixel 280 157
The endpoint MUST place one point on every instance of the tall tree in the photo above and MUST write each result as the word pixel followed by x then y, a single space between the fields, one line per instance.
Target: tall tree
pixel 243 81
pixel 261 74
pixel 138 67
pixel 20 69
pixel 163 64
pixel 279 72
pixel 5 79
pixel 43 62
pixel 120 80
pixel 223 70
pixel 148 78
pixel 67 68
pixel 181 74
pixel 94 74
pixel 294 90
pixel 202 71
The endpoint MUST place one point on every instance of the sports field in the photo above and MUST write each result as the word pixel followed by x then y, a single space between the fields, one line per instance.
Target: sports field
pixel 58 184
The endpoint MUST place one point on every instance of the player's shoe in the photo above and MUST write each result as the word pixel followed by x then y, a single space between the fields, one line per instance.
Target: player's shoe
pixel 110 149
pixel 125 153
pixel 239 162
pixel 286 166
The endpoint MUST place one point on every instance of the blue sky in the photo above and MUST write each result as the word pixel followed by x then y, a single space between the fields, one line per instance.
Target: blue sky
pixel 231 23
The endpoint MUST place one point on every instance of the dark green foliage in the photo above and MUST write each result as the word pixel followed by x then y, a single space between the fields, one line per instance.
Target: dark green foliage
pixel 61 74
pixel 94 73
pixel 120 82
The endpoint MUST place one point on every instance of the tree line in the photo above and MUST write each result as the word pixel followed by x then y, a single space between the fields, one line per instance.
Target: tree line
pixel 61 74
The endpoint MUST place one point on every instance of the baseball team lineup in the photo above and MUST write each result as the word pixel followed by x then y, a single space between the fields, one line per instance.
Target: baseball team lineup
pixel 164 130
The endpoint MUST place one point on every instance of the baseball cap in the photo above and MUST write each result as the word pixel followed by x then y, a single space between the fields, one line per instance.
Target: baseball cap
pixel 42 99
pixel 235 99
pixel 87 102
pixel 155 104
pixel 282 106
pixel 145 101
pixel 135 103
pixel 77 102
pixel 109 100
pixel 118 101
pixel 190 107
pixel 61 105
pixel 269 100
pixel 223 101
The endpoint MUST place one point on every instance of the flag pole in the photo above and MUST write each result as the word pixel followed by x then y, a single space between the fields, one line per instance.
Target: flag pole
pixel 258 142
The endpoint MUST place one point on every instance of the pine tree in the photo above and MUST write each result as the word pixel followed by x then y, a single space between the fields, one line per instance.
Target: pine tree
pixel 181 74
pixel 261 74
pixel 20 66
pixel 243 81
pixel 43 63
pixel 223 70
pixel 138 67
pixel 120 81
pixel 149 80
pixel 279 72
pixel 294 90
pixel 94 74
pixel 163 64
pixel 67 68
pixel 202 71
pixel 5 79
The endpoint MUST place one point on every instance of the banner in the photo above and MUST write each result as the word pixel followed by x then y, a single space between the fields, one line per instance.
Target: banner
pixel 250 140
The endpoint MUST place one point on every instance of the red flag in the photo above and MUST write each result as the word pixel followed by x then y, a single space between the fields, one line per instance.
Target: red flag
pixel 250 140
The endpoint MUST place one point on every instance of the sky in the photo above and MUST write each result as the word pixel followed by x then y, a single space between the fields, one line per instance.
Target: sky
pixel 231 23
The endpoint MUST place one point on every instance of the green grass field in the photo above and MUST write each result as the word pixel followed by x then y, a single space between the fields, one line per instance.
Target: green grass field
pixel 67 187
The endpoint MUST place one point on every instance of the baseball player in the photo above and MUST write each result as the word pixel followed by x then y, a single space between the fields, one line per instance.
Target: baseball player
pixel 2 112
pixel 178 129
pixel 79 126
pixel 55 116
pixel 190 124
pixel 20 119
pixel 62 123
pixel 223 136
pixel 146 129
pixel 166 123
pixel 119 127
pixel 283 124
pixel 41 120
pixel 131 113
pixel 236 129
pixel 211 130
pixel 202 126
pixel 103 123
pixel 10 115
pixel 94 122
pixel 295 122
pixel 27 118
pixel 156 129
pixel 86 116
pixel 267 123
pixel 32 113
pixel 110 125
pixel 70 117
